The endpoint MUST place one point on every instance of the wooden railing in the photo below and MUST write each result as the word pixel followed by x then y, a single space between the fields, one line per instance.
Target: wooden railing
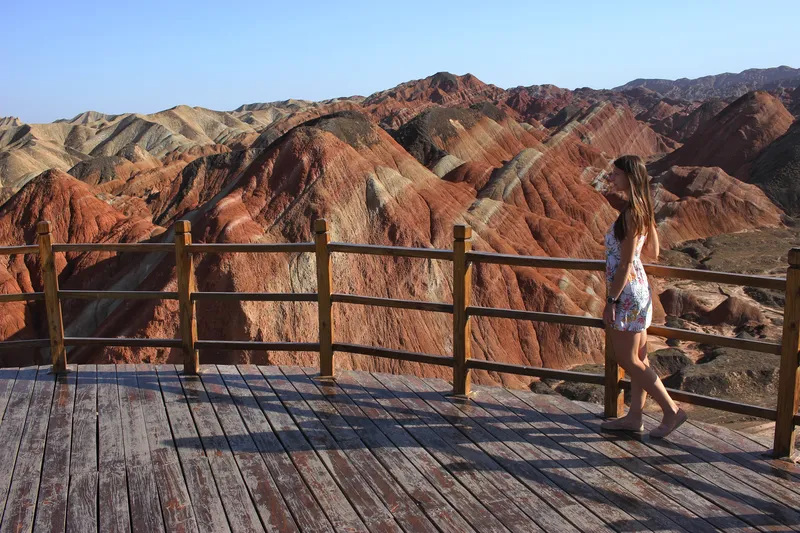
pixel 463 258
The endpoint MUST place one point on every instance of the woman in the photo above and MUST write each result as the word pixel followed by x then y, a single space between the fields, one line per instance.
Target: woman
pixel 629 304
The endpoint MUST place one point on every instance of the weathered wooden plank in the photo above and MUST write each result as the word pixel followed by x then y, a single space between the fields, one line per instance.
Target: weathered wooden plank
pixel 239 508
pixel 336 506
pixel 463 485
pixel 305 509
pixel 609 500
pixel 364 500
pixel 562 411
pixel 113 499
pixel 269 502
pixel 343 439
pixel 51 508
pixel 537 496
pixel 22 494
pixel 143 498
pixel 760 473
pixel 11 428
pixel 142 490
pixel 630 452
pixel 206 502
pixel 83 457
pixel 354 421
pixel 176 505
pixel 756 447
pixel 112 481
pixel 82 503
pixel 713 452
pixel 508 406
pixel 662 519
pixel 7 380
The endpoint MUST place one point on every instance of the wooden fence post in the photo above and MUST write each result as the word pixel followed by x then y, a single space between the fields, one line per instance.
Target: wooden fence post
pixel 184 269
pixel 789 380
pixel 321 240
pixel 614 397
pixel 55 320
pixel 462 298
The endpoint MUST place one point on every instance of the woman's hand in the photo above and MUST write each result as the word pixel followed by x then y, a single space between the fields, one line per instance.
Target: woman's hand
pixel 609 314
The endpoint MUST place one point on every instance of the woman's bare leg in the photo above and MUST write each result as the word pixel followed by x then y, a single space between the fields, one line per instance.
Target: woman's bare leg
pixel 626 350
pixel 638 394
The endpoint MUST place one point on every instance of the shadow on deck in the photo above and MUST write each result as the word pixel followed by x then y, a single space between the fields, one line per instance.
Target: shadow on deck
pixel 244 448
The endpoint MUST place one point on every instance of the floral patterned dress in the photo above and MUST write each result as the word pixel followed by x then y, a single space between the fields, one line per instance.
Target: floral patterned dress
pixel 634 311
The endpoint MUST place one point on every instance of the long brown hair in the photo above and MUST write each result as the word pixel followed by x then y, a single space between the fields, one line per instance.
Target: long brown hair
pixel 640 205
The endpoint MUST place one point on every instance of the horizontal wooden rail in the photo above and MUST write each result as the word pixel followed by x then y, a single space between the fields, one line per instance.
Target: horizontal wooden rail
pixel 138 247
pixel 535 261
pixel 393 251
pixel 715 403
pixel 256 296
pixel 715 340
pixel 416 305
pixel 117 295
pixel 22 297
pixel 535 371
pixel 256 345
pixel 18 250
pixel 744 280
pixel 24 343
pixel 130 342
pixel 537 316
pixel 415 357
pixel 252 248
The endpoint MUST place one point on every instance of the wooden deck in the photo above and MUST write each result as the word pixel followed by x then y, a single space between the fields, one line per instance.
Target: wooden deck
pixel 142 448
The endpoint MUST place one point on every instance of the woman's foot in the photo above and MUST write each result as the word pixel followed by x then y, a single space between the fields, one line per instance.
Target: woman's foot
pixel 625 423
pixel 670 423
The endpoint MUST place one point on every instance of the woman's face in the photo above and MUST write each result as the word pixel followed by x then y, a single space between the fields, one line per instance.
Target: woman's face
pixel 618 180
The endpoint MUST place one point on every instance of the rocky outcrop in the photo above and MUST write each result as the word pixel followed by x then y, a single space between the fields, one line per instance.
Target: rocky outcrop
pixel 736 312
pixel 706 202
pixel 734 137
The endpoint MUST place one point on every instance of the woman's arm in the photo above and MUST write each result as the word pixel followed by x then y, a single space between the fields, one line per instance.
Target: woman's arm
pixel 652 245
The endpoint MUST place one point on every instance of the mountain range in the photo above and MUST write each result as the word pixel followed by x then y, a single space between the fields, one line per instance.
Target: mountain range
pixel 400 167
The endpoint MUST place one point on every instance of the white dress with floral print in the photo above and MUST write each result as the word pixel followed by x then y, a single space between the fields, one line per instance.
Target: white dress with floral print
pixel 634 311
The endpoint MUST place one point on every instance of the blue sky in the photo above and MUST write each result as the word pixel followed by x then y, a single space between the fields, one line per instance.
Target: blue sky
pixel 62 58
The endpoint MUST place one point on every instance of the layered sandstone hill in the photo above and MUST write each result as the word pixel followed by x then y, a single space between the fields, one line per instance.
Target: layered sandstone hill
pixel 400 167
pixel 735 136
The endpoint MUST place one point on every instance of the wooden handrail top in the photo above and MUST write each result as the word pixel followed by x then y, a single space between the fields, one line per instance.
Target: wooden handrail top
pixel 715 340
pixel 138 247
pixel 744 280
pixel 22 297
pixel 24 343
pixel 436 307
pixel 535 371
pixel 256 296
pixel 401 355
pixel 18 250
pixel 536 316
pixel 392 251
pixel 536 261
pixel 253 248
pixel 257 345
pixel 719 403
pixel 129 342
pixel 117 295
